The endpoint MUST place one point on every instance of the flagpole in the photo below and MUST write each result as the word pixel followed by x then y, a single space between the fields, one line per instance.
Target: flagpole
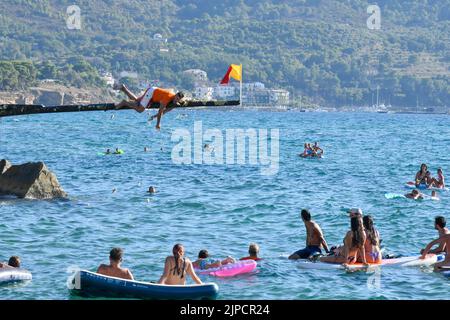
pixel 240 95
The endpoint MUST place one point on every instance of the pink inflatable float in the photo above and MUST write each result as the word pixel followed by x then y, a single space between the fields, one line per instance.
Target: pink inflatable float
pixel 230 270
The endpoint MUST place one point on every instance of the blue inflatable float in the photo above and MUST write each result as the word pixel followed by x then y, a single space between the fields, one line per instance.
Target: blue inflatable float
pixel 88 283
pixel 10 275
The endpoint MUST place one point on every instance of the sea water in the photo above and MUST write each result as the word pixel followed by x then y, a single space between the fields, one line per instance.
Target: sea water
pixel 223 207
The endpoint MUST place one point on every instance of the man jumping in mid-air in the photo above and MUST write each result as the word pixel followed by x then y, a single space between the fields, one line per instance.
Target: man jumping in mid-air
pixel 167 100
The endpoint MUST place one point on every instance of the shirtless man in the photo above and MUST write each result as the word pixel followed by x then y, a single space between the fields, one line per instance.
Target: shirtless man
pixel 114 269
pixel 167 100
pixel 318 151
pixel 439 225
pixel 176 267
pixel 314 239
pixel 443 243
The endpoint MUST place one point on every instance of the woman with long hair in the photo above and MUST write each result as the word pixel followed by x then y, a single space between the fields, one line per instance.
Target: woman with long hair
pixel 372 244
pixel 176 267
pixel 353 248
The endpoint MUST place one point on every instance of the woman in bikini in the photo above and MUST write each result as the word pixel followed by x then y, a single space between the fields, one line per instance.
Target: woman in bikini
pixel 176 267
pixel 353 248
pixel 422 176
pixel 372 244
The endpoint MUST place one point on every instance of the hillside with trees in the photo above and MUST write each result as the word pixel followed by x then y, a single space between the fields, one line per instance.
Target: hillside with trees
pixel 319 49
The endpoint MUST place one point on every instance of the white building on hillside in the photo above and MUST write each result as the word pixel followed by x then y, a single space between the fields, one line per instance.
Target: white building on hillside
pixel 203 93
pixel 108 78
pixel 225 92
pixel 279 97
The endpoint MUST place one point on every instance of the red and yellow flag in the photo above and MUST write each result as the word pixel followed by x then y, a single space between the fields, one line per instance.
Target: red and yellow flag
pixel 235 72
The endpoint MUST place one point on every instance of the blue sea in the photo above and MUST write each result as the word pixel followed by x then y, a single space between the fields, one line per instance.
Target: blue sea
pixel 223 207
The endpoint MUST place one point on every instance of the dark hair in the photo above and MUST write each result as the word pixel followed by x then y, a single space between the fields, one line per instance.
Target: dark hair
pixel 253 249
pixel 176 254
pixel 440 221
pixel 306 215
pixel 203 254
pixel 370 230
pixel 14 262
pixel 116 254
pixel 181 94
pixel 356 226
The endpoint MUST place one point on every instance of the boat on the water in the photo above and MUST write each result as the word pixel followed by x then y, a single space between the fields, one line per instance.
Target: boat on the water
pixel 91 284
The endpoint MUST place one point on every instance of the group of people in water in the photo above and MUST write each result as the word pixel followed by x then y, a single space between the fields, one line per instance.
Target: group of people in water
pixel 176 266
pixel 117 151
pixel 362 242
pixel 312 151
pixel 424 179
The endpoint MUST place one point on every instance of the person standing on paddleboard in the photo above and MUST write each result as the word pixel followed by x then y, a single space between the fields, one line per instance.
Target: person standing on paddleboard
pixel 166 98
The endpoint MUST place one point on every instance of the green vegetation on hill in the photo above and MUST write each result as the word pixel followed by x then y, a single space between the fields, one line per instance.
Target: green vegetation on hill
pixel 321 49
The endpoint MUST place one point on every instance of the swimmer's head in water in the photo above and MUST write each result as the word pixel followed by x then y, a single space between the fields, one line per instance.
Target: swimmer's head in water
pixel 253 249
pixel 440 222
pixel 415 192
pixel 151 189
pixel 14 262
pixel 203 254
pixel 116 255
pixel 306 215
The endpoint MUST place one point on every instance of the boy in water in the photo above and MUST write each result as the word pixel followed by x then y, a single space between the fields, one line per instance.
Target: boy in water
pixel 314 238
pixel 176 267
pixel 114 269
pixel 253 251
pixel 440 181
pixel 205 261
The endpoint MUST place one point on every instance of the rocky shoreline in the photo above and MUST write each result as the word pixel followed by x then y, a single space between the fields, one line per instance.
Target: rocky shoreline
pixel 55 94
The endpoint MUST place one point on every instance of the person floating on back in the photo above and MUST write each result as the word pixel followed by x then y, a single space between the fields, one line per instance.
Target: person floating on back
pixel 443 243
pixel 253 251
pixel 114 269
pixel 176 267
pixel 13 262
pixel 205 261
pixel 314 239
pixel 167 100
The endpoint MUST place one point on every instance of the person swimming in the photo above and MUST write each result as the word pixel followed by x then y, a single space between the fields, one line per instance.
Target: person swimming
pixel 253 251
pixel 114 269
pixel 151 189
pixel 205 261
pixel 372 244
pixel 118 151
pixel 415 195
pixel 13 262
pixel 176 267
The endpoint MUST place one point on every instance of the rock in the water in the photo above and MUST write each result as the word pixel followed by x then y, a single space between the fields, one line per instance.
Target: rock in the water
pixel 29 180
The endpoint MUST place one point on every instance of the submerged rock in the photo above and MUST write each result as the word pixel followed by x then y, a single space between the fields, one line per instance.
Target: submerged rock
pixel 30 180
